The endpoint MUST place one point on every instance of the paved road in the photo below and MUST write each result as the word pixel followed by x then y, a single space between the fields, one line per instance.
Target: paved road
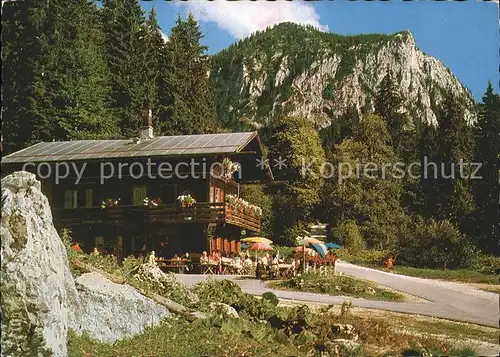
pixel 444 300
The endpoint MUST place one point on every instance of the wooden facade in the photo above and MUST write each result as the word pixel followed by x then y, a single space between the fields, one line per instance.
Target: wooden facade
pixel 211 223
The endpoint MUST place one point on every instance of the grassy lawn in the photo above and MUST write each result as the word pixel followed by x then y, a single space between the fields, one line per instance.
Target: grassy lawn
pixel 380 334
pixel 374 259
pixel 337 286
pixel 461 275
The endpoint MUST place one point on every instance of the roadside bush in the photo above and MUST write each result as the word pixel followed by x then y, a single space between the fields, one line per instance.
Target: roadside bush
pixel 271 297
pixel 350 236
pixel 435 244
pixel 487 264
pixel 222 291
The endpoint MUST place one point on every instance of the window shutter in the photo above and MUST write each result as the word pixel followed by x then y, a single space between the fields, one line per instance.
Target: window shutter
pixel 89 197
pixel 139 193
pixel 70 198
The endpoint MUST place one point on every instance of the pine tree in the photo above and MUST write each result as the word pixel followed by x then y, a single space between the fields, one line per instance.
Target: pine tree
pixel 126 37
pixel 154 48
pixel 73 92
pixel 20 57
pixel 58 89
pixel 425 200
pixel 388 105
pixel 453 143
pixel 187 97
pixel 487 189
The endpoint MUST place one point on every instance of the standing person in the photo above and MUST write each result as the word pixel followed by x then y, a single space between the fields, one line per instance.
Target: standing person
pixel 390 263
pixel 274 266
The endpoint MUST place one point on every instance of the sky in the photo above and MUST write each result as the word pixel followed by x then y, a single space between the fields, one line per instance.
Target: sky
pixel 463 35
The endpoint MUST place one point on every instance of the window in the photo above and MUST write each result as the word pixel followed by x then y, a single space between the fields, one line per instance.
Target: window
pixel 139 193
pixel 89 197
pixel 70 199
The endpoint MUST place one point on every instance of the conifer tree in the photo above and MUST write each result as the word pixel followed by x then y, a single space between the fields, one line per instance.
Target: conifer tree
pixel 487 189
pixel 454 144
pixel 74 91
pixel 153 51
pixel 388 105
pixel 64 91
pixel 125 50
pixel 187 97
pixel 20 58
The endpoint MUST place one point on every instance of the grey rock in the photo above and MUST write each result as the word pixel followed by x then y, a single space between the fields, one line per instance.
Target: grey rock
pixel 111 312
pixel 224 309
pixel 38 291
pixel 345 331
pixel 341 347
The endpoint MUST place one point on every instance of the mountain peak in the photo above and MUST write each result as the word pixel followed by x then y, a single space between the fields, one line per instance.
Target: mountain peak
pixel 293 69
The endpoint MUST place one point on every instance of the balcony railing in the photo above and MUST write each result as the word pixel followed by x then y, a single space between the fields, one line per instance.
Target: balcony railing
pixel 203 212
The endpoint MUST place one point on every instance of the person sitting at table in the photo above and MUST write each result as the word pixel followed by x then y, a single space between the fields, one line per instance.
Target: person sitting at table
pixel 216 259
pixel 237 259
pixel 204 258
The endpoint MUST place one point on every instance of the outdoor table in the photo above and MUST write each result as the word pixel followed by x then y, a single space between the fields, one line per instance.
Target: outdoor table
pixel 209 267
pixel 177 265
pixel 284 268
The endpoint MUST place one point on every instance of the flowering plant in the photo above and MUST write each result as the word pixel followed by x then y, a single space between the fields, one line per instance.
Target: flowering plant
pixel 110 203
pixel 152 202
pixel 239 204
pixel 229 168
pixel 186 201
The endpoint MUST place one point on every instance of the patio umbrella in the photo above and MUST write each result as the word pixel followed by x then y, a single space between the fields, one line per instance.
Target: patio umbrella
pixel 257 240
pixel 259 246
pixel 301 248
pixel 333 246
pixel 321 249
pixel 308 240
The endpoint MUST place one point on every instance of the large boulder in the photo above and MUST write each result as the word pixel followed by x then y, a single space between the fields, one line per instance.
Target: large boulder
pixel 38 294
pixel 111 312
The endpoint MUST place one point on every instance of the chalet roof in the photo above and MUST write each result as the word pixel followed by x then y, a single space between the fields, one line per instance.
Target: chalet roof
pixel 227 143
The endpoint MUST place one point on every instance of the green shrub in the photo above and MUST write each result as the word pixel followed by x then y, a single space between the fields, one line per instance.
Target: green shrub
pixel 350 236
pixel 271 297
pixel 223 291
pixel 487 264
pixel 435 244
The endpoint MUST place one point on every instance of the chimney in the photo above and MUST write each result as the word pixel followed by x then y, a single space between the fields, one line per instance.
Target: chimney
pixel 147 126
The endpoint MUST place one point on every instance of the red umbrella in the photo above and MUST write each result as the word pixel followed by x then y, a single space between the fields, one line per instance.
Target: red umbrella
pixel 259 246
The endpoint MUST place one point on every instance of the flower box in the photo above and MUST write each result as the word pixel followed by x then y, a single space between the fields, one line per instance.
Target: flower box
pixel 152 202
pixel 240 205
pixel 186 201
pixel 109 203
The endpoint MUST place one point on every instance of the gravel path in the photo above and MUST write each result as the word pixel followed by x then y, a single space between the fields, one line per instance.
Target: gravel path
pixel 445 300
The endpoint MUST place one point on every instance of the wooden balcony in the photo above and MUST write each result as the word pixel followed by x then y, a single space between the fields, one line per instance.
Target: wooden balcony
pixel 202 213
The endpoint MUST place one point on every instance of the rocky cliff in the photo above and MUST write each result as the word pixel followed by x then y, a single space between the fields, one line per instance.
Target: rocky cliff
pixel 295 70
pixel 40 301
pixel 38 292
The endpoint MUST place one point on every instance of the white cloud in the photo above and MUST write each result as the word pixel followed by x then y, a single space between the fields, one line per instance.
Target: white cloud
pixel 241 18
